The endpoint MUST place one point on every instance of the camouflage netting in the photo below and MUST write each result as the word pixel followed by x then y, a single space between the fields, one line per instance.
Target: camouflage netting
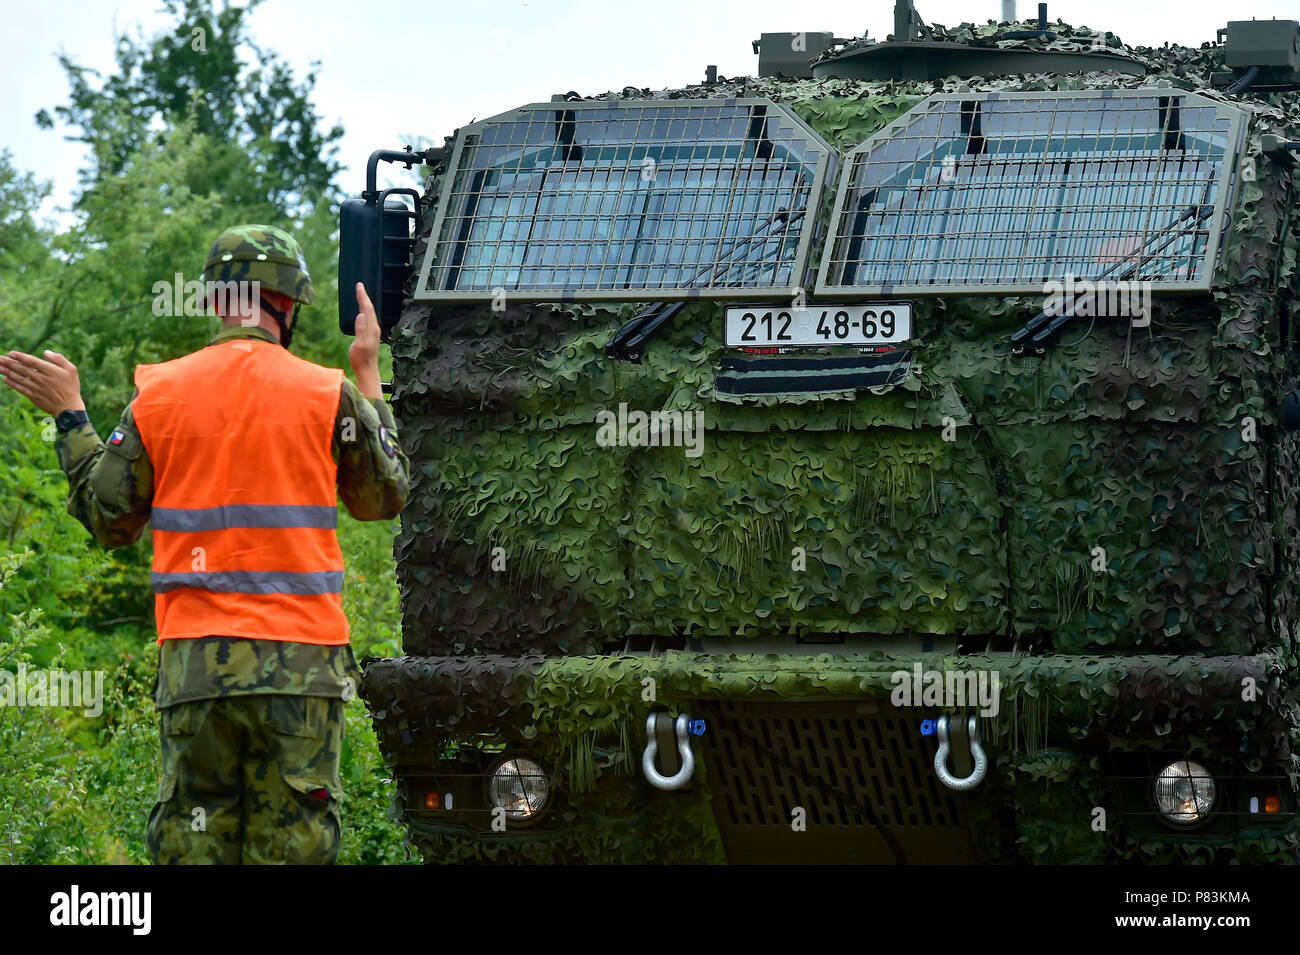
pixel 1067 39
pixel 571 711
pixel 1128 493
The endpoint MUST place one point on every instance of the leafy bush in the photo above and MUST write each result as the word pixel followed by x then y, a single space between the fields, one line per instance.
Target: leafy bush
pixel 40 796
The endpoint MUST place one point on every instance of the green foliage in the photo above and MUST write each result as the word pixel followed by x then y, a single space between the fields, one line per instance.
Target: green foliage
pixel 370 598
pixel 266 150
pixel 138 229
pixel 22 240
pixel 370 835
pixel 122 758
pixel 40 799
pixel 32 517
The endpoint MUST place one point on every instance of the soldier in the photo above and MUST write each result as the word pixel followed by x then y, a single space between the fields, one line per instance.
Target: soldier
pixel 237 455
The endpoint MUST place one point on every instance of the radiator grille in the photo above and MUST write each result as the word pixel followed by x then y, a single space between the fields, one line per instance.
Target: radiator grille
pixel 880 761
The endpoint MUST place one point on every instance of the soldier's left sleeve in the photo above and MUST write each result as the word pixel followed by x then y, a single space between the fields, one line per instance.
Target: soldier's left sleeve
pixel 373 475
pixel 110 485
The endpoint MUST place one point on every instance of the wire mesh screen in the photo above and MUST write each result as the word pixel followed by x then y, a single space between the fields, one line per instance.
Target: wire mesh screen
pixel 1006 192
pixel 650 199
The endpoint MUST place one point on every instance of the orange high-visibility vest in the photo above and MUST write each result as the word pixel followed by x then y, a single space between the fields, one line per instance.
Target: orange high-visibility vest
pixel 245 499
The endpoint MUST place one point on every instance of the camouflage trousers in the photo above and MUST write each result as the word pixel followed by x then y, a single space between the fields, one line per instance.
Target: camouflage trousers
pixel 249 779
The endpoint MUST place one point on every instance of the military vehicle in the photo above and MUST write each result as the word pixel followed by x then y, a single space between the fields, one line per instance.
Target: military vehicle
pixel 883 458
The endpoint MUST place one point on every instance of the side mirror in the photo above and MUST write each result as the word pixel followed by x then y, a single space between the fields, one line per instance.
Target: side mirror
pixel 377 249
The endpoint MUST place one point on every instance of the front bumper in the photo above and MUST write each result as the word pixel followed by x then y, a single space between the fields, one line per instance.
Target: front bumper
pixel 826 735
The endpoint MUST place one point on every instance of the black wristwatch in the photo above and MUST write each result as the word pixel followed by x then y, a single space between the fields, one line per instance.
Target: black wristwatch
pixel 67 420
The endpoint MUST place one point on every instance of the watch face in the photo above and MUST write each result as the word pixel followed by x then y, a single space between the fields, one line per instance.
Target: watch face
pixel 67 420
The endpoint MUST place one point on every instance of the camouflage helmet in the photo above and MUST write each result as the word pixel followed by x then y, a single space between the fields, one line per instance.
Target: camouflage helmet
pixel 264 254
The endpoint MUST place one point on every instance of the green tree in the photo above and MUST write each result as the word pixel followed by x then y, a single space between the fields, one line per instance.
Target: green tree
pixel 92 297
pixel 267 149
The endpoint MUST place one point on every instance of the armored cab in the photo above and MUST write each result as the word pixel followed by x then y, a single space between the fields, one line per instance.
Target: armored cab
pixel 885 458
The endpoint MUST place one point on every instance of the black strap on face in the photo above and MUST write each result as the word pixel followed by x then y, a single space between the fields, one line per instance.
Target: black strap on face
pixel 282 319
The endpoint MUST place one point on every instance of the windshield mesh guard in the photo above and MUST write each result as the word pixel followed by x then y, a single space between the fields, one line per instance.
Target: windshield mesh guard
pixel 1005 192
pixel 639 200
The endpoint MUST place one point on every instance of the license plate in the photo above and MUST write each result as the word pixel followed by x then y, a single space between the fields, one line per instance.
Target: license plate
pixel 763 326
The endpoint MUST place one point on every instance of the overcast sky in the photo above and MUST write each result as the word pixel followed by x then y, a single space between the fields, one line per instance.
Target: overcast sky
pixel 390 70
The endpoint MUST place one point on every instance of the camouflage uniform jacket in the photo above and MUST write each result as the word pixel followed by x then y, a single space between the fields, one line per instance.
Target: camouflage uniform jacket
pixel 111 490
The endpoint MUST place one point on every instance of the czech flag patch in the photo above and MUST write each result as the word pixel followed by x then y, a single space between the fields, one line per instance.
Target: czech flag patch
pixel 116 438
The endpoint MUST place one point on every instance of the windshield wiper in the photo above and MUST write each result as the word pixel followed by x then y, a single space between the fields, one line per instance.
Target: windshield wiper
pixel 629 342
pixel 1038 333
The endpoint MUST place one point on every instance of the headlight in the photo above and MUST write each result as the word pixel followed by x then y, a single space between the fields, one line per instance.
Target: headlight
pixel 519 786
pixel 1185 792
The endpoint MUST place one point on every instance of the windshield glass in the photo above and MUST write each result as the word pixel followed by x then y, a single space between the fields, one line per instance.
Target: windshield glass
pixel 609 197
pixel 1011 192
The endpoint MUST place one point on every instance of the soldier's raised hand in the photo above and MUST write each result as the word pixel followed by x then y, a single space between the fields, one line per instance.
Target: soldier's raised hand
pixel 364 351
pixel 52 385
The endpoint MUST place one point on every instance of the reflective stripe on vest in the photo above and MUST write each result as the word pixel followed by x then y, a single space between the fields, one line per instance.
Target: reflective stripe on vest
pixel 242 515
pixel 245 501
pixel 252 582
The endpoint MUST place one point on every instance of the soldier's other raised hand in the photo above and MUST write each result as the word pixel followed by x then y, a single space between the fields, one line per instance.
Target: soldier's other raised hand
pixel 364 352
